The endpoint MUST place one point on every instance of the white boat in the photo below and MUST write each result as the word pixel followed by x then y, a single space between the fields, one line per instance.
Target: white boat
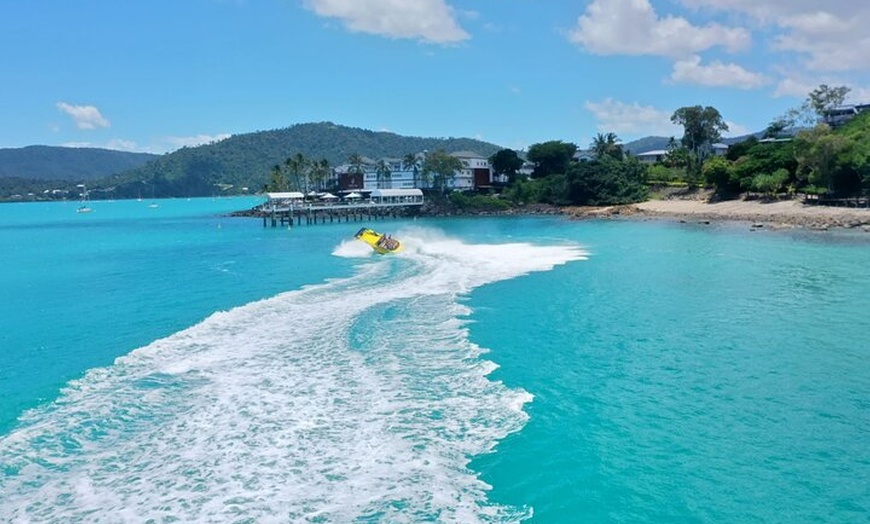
pixel 83 206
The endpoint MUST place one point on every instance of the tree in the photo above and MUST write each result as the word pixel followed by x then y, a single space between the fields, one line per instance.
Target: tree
pixel 277 181
pixel 297 166
pixel 410 162
pixel 825 159
pixel 384 174
pixel 506 162
pixel 356 163
pixel 719 174
pixel 607 145
pixel 703 126
pixel 551 157
pixel 818 101
pixel 319 173
pixel 605 182
pixel 770 184
pixel 442 167
pixel 824 98
pixel 776 128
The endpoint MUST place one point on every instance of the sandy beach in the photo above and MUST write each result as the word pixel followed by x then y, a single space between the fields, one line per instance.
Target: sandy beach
pixel 780 214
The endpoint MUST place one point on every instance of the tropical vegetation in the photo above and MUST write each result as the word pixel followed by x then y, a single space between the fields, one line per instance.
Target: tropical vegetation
pixel 789 157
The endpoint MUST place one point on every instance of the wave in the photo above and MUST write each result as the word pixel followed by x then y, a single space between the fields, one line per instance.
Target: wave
pixel 356 399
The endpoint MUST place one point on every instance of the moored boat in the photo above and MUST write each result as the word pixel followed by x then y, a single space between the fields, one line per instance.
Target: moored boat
pixel 381 243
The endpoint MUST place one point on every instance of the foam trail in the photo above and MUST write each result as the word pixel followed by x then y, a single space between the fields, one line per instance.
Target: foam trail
pixel 357 399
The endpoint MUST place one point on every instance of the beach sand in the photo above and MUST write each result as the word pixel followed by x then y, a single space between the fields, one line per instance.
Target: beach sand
pixel 779 214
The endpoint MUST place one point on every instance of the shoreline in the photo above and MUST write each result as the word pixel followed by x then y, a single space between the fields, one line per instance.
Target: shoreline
pixel 784 214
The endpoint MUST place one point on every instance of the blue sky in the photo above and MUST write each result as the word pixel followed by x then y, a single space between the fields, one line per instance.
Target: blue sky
pixel 160 74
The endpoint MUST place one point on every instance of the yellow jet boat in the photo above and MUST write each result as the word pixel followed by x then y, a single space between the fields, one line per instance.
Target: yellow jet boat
pixel 382 244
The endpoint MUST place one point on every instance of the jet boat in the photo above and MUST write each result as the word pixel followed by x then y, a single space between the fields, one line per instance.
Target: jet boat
pixel 382 244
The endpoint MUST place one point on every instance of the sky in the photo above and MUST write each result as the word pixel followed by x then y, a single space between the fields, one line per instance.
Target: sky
pixel 156 75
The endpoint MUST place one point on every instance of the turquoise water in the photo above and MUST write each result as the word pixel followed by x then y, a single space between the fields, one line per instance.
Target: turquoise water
pixel 177 365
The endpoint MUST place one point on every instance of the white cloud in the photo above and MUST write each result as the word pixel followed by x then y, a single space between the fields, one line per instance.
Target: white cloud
pixel 794 87
pixel 430 21
pixel 162 145
pixel 717 74
pixel 632 27
pixel 735 129
pixel 85 117
pixel 832 35
pixel 632 119
pixel 177 142
pixel 799 86
pixel 120 144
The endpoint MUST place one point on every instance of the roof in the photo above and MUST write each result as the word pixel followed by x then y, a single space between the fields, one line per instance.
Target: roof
pixel 654 152
pixel 284 195
pixel 396 192
pixel 466 154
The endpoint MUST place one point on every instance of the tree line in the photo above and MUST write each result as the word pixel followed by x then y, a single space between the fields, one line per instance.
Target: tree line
pixel 798 153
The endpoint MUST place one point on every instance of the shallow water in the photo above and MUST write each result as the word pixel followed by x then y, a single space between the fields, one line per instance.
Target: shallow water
pixel 177 364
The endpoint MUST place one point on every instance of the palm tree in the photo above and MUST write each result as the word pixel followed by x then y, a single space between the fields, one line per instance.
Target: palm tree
pixel 318 173
pixel 607 145
pixel 277 182
pixel 383 172
pixel 410 162
pixel 356 162
pixel 297 165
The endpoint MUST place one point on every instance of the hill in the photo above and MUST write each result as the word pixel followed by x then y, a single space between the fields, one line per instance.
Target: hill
pixel 652 143
pixel 648 143
pixel 76 164
pixel 246 160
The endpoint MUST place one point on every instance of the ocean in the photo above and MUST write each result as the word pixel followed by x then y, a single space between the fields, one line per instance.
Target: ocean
pixel 174 364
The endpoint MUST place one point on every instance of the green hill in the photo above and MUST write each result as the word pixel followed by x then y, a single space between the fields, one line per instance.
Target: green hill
pixel 67 163
pixel 246 160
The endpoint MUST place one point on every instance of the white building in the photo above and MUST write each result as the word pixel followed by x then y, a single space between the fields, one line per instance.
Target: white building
pixel 652 157
pixel 476 172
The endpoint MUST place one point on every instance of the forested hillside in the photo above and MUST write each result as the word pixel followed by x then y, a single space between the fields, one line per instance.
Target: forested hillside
pixel 67 163
pixel 245 161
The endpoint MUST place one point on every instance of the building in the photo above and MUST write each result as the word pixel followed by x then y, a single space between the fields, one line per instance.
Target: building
pixel 652 157
pixel 839 115
pixel 395 174
pixel 475 174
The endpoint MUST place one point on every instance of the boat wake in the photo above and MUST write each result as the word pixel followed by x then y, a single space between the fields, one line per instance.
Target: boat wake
pixel 357 399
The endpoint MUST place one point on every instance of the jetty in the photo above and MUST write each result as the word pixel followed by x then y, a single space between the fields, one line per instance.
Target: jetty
pixel 295 208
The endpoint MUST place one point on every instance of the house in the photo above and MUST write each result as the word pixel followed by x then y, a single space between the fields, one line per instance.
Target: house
pixel 476 172
pixel 584 155
pixel 652 157
pixel 837 116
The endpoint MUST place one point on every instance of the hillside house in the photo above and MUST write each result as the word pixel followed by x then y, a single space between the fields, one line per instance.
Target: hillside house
pixel 839 115
pixel 652 157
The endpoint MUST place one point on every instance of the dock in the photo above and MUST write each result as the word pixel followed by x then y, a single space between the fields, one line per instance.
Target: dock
pixel 294 208
pixel 324 213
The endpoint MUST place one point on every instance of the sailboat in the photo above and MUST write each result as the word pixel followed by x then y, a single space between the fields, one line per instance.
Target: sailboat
pixel 83 205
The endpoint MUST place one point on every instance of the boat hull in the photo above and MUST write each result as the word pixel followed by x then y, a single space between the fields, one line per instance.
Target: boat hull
pixel 380 243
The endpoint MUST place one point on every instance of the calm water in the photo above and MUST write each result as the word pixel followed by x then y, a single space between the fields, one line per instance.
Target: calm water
pixel 177 365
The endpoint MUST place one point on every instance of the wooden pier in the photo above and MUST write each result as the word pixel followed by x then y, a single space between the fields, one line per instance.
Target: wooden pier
pixel 323 213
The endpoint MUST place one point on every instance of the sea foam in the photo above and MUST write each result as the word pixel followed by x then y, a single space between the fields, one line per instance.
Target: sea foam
pixel 360 398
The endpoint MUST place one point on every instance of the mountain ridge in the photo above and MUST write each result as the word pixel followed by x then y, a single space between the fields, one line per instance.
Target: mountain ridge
pixel 238 164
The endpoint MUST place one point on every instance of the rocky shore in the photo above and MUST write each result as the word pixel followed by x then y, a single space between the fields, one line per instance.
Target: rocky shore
pixel 779 214
pixel 757 214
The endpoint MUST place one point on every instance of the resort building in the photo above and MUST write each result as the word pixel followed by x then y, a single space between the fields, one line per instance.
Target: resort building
pixel 394 173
